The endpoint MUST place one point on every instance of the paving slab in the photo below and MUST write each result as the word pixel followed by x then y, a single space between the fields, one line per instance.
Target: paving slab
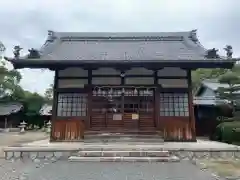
pixel 200 145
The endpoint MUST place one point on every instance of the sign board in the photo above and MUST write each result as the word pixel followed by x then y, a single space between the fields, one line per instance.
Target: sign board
pixel 135 116
pixel 117 117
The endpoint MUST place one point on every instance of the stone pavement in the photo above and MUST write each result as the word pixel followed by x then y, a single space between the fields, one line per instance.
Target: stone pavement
pixel 199 145
pixel 56 170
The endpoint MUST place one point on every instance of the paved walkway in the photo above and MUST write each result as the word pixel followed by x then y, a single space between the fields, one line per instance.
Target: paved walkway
pixel 102 171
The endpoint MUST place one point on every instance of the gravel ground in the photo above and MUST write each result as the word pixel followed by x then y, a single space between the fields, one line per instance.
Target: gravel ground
pixel 64 170
pixel 14 138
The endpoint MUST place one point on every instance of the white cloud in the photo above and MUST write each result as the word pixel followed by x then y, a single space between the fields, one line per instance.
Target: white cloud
pixel 26 22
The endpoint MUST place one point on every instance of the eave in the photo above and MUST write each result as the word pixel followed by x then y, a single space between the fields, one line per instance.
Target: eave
pixel 56 64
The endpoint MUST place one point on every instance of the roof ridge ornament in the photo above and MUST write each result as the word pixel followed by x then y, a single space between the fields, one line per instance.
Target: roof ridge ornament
pixel 33 53
pixel 229 51
pixel 51 36
pixel 212 54
pixel 193 35
pixel 16 51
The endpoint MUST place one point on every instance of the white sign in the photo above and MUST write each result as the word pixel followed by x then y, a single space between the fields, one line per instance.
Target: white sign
pixel 117 117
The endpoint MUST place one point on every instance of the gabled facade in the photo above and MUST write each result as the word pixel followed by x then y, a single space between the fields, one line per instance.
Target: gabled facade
pixel 209 108
pixel 206 94
pixel 10 114
pixel 122 82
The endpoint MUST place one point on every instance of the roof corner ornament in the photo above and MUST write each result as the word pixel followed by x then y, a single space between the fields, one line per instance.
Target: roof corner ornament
pixel 193 35
pixel 51 36
pixel 212 54
pixel 50 33
pixel 33 53
pixel 16 51
pixel 229 51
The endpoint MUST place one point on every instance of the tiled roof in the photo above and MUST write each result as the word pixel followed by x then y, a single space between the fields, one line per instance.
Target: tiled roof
pixel 208 101
pixel 181 49
pixel 122 46
pixel 9 108
pixel 214 84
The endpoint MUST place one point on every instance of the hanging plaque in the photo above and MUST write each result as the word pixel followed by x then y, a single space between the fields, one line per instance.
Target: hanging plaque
pixel 117 117
pixel 135 116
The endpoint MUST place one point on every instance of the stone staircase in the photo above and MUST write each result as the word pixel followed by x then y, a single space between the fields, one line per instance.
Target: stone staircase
pixel 121 155
pixel 122 137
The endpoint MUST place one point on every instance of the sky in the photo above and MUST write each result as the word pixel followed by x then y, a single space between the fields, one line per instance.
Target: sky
pixel 26 23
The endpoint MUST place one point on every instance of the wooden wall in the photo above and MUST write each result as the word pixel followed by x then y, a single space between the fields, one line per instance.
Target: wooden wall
pixel 77 79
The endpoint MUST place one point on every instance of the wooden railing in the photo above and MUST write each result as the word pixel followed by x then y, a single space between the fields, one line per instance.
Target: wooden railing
pixel 68 130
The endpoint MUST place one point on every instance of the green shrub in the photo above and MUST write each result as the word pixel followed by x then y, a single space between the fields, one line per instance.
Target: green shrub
pixel 225 132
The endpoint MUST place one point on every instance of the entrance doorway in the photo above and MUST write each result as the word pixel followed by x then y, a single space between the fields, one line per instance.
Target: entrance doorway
pixel 123 108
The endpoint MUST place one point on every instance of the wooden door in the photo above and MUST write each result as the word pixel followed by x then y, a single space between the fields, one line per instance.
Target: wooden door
pixel 99 112
pixel 106 104
pixel 146 110
pixel 131 111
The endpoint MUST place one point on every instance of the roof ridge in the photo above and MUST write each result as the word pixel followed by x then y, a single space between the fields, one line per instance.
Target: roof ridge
pixel 53 35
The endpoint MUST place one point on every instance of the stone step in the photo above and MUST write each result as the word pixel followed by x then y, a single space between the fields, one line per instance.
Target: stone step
pixel 121 135
pixel 123 153
pixel 122 140
pixel 123 159
pixel 127 132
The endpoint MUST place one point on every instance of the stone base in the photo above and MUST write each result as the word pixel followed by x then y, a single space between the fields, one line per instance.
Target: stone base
pixel 123 159
pixel 123 153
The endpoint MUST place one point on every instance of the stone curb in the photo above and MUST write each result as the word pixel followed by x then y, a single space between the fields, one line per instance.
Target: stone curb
pixel 40 149
pixel 124 153
pixel 123 159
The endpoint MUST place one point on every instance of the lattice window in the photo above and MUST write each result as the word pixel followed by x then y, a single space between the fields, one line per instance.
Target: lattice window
pixel 174 104
pixel 146 100
pixel 72 104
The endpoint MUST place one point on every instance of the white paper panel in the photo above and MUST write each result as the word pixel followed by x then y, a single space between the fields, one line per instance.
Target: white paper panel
pixel 172 71
pixel 106 80
pixel 73 72
pixel 139 71
pixel 106 71
pixel 72 83
pixel 139 80
pixel 182 83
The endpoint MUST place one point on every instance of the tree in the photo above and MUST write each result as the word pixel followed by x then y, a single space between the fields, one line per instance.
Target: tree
pixel 232 80
pixel 200 74
pixel 9 80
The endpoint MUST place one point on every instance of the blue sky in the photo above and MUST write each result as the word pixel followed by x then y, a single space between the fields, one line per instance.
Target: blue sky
pixel 26 22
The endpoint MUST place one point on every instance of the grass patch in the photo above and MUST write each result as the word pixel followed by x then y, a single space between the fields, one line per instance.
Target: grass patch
pixel 223 168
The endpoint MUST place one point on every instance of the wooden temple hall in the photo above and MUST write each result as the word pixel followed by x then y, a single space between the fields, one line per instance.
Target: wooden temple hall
pixel 122 82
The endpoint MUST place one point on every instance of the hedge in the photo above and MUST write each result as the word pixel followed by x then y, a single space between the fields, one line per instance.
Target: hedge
pixel 228 132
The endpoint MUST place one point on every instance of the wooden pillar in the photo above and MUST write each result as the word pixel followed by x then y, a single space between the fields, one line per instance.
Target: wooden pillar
pixel 89 100
pixel 54 107
pixel 191 107
pixel 156 100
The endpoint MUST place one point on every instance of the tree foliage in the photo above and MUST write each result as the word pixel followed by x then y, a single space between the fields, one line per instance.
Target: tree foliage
pixel 9 80
pixel 232 80
pixel 200 74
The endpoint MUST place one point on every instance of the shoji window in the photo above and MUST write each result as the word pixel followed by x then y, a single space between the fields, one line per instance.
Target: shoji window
pixel 174 104
pixel 72 105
